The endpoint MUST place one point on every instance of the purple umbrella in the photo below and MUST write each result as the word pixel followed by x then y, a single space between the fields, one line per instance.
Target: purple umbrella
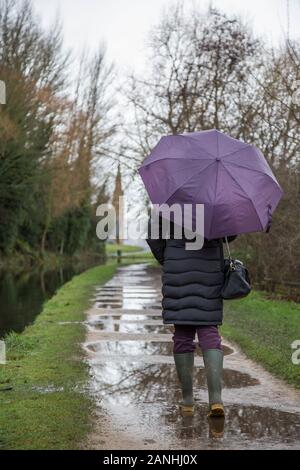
pixel 231 178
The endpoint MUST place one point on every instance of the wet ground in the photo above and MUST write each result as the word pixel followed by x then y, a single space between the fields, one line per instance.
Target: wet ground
pixel 134 382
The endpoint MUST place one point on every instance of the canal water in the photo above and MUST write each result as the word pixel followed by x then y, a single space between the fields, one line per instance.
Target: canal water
pixel 22 295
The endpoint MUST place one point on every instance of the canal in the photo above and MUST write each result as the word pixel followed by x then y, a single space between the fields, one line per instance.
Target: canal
pixel 22 295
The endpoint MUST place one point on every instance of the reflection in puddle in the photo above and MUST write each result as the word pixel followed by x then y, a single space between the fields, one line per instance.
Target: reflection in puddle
pixel 131 328
pixel 131 280
pixel 130 316
pixel 129 348
pixel 108 305
pixel 128 295
pixel 155 415
pixel 125 318
pixel 127 303
pixel 242 423
pixel 151 382
pixel 139 348
pixel 127 289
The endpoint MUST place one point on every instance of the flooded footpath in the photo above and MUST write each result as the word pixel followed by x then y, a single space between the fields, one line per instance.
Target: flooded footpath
pixel 134 383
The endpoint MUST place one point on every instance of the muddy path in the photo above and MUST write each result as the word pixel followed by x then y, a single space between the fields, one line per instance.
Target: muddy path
pixel 134 382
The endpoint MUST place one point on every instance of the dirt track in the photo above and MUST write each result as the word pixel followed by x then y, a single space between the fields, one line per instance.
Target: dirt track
pixel 134 382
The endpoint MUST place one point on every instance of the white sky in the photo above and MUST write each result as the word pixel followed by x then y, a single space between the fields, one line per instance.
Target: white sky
pixel 123 24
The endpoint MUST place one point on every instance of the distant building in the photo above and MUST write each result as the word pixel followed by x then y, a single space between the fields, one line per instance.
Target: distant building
pixel 117 203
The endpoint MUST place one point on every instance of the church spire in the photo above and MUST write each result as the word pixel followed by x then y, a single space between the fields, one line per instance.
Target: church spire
pixel 117 203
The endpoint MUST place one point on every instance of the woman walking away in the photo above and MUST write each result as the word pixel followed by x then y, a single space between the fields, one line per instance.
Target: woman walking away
pixel 237 187
pixel 191 286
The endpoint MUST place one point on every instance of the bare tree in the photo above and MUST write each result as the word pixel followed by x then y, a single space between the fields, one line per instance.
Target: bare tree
pixel 196 79
pixel 83 129
pixel 208 71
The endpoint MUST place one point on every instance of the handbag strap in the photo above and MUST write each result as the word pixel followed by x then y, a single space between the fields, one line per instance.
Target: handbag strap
pixel 227 247
pixel 222 254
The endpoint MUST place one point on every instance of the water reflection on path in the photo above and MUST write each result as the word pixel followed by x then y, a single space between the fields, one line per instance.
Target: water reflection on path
pixel 134 382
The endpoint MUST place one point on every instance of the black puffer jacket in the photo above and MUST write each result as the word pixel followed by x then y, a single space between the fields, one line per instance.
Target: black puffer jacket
pixel 191 280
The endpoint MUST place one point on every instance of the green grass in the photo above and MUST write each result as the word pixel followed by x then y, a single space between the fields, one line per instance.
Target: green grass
pixel 143 257
pixel 112 248
pixel 46 407
pixel 265 329
pixel 131 254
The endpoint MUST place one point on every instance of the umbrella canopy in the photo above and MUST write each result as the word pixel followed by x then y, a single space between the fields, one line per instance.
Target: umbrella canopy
pixel 231 178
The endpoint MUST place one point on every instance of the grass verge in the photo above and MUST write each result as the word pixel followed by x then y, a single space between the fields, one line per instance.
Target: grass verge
pixel 42 404
pixel 265 329
pixel 112 248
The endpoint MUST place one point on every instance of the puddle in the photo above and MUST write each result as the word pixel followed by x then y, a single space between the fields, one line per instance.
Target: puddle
pixel 140 348
pixel 96 320
pixel 151 381
pixel 129 295
pixel 108 305
pixel 160 426
pixel 131 280
pixel 243 426
pixel 135 384
pixel 131 328
pixel 129 304
pixel 47 389
pixel 126 316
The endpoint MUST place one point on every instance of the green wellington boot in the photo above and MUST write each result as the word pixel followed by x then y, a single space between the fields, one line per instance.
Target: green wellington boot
pixel 185 366
pixel 213 361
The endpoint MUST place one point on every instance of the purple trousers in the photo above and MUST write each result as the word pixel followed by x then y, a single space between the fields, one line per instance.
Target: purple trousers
pixel 184 336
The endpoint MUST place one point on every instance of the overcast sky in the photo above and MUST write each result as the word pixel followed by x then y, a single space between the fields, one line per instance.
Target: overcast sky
pixel 123 24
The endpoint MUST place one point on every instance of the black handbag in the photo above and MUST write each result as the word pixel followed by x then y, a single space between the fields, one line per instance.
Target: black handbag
pixel 236 276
